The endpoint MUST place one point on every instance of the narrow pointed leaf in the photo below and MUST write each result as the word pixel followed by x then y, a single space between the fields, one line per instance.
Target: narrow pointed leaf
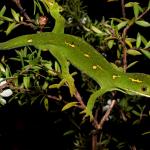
pixel 143 23
pixel 69 105
pixel 147 45
pixel 121 25
pixel 138 40
pixel 136 10
pixel 133 52
pixel 146 53
pixel 2 11
pixel 46 104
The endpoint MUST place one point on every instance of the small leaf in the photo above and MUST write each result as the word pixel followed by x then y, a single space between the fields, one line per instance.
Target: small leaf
pixel 146 53
pixel 133 52
pixel 138 40
pixel 131 4
pixel 136 113
pixel 15 15
pixel 2 101
pixel 2 69
pixel 136 10
pixel 57 67
pixel 148 5
pixel 45 85
pixel 147 45
pixel 121 25
pixel 26 82
pixel 2 11
pixel 96 30
pixel 7 73
pixel 145 133
pixel 143 39
pixel 143 23
pixel 132 64
pixel 110 43
pixel 69 105
pixel 68 132
pixel 46 104
pixel 7 19
pixel 11 27
pixel 128 43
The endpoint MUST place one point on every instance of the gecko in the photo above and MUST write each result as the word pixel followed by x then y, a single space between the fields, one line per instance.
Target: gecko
pixel 69 48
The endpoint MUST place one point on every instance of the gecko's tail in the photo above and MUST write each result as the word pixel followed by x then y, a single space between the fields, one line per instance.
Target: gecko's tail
pixel 16 42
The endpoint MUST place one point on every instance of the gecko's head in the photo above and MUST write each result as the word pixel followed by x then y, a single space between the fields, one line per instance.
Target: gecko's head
pixel 140 84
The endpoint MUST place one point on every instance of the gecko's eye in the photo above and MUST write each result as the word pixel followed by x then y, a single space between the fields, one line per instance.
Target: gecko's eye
pixel 144 89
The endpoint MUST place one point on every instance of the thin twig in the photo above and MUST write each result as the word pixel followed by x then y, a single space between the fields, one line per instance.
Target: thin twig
pixel 123 8
pixel 18 3
pixel 105 117
pixel 78 97
pixel 83 106
pixel 144 13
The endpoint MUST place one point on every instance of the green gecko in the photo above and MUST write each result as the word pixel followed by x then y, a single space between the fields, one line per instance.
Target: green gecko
pixel 83 56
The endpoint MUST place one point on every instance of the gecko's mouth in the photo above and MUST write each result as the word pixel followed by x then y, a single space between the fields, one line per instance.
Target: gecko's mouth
pixel 132 92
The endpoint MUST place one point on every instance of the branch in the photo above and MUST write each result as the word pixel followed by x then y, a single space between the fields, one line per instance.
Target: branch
pixel 105 117
pixel 123 9
pixel 17 2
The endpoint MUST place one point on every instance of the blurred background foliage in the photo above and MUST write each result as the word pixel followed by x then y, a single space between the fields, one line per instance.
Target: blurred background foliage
pixel 31 117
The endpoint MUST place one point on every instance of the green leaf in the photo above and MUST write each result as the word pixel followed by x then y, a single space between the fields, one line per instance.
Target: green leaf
pixel 138 40
pixel 26 82
pixel 147 45
pixel 15 15
pixel 69 105
pixel 132 64
pixel 96 30
pixel 110 43
pixel 45 85
pixel 136 10
pixel 57 67
pixel 148 5
pixel 2 69
pixel 136 113
pixel 121 25
pixel 146 53
pixel 143 23
pixel 2 11
pixel 144 41
pixel 133 52
pixel 7 73
pixel 46 104
pixel 6 19
pixel 37 4
pixel 11 27
pixel 131 4
pixel 145 133
pixel 128 42
pixel 68 132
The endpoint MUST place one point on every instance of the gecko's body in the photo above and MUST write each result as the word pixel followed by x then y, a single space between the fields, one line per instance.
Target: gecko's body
pixel 83 56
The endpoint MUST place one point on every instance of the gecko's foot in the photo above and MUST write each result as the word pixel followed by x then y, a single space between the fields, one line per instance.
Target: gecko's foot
pixel 69 81
pixel 87 113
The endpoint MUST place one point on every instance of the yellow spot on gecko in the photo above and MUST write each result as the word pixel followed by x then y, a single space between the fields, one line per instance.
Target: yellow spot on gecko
pixel 115 76
pixel 29 41
pixel 135 80
pixel 69 44
pixel 96 66
pixel 87 55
